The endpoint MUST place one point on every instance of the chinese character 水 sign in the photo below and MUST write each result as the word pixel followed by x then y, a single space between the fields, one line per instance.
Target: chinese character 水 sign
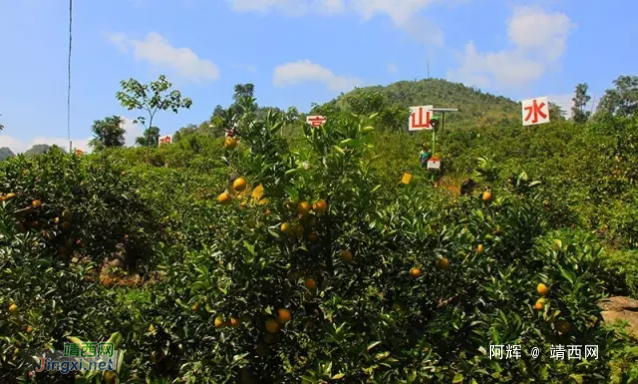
pixel 535 111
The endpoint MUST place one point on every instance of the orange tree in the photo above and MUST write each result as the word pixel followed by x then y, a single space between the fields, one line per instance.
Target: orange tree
pixel 314 274
pixel 42 301
pixel 80 205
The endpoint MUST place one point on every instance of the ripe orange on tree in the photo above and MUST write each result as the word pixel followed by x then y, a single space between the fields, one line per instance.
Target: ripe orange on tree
pixel 230 143
pixel 542 289
pixel 29 329
pixel 310 283
pixel 8 196
pixel 109 377
pixel 284 316
pixel 303 208
pixel 239 184
pixel 415 272
pixel 346 256
pixel 224 198
pixel 487 195
pixel 320 206
pixel 219 322
pixel 13 308
pixel 285 227
pixel 479 249
pixel 36 203
pixel 234 322
pixel 540 303
pixel 443 264
pixel 272 326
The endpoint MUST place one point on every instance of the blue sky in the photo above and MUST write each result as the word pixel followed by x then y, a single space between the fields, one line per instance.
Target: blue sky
pixel 294 51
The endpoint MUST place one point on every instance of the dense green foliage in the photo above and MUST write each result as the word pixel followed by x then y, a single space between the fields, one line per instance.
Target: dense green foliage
pixel 143 242
pixel 108 133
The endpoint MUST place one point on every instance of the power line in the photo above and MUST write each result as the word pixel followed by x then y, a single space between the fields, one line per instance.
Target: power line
pixel 68 99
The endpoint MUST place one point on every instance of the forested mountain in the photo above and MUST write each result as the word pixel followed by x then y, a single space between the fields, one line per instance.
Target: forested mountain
pixel 5 153
pixel 476 108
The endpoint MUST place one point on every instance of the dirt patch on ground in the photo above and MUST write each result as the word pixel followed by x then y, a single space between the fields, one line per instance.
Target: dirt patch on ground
pixel 621 308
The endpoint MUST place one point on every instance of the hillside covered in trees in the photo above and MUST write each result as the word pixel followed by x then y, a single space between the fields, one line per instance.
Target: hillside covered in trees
pixel 290 254
pixel 475 107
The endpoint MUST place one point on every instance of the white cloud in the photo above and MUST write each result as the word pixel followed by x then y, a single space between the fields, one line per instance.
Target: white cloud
pixel 289 7
pixel 304 71
pixel 531 28
pixel 331 6
pixel 159 53
pixel 18 146
pixel 538 40
pixel 403 13
pixel 506 68
pixel 392 68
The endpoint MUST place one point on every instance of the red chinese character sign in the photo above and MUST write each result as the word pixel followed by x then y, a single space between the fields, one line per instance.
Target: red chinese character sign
pixel 420 118
pixel 165 139
pixel 316 121
pixel 535 111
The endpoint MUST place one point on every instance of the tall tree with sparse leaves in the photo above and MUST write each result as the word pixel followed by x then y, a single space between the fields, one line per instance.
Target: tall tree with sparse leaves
pixel 108 133
pixel 151 98
pixel 581 98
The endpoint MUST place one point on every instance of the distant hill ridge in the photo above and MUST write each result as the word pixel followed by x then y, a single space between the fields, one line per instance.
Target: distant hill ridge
pixel 474 106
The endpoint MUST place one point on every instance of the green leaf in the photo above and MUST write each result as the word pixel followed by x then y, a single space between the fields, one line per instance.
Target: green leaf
pixel 373 344
pixel 457 379
pixel 338 376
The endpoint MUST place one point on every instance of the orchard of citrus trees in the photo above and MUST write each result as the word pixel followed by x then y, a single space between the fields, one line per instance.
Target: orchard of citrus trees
pixel 262 262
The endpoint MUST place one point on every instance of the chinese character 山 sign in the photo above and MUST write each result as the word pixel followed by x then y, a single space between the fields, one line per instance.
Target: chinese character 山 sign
pixel 535 111
pixel 420 118
pixel 316 121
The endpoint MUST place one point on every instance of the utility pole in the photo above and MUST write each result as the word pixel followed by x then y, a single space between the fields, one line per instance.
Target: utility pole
pixel 592 106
